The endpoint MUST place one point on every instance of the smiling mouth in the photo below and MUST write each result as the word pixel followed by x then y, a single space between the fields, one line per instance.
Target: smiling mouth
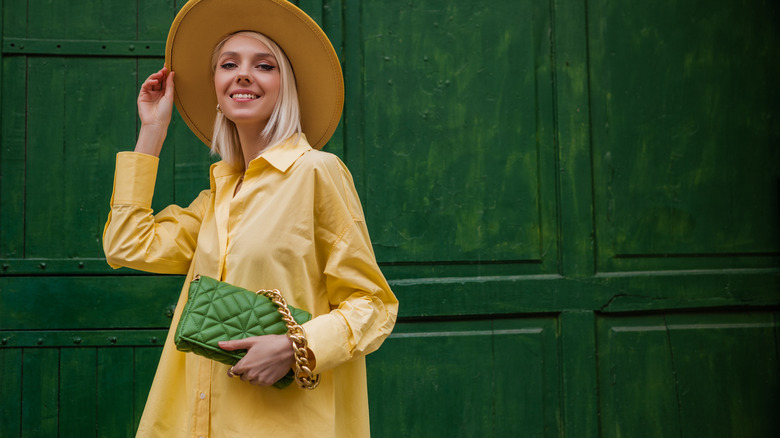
pixel 243 96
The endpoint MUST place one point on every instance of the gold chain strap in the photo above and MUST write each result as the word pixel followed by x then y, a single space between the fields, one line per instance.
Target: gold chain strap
pixel 304 376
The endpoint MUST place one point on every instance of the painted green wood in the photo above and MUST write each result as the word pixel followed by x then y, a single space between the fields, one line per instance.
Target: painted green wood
pixel 572 139
pixel 154 20
pixel 465 379
pixel 727 369
pixel 637 383
pixel 77 391
pixel 693 375
pixel 73 144
pixel 333 24
pixel 115 29
pixel 59 47
pixel 14 18
pixel 62 303
pixel 82 338
pixel 96 20
pixel 74 392
pixel 485 295
pixel 448 128
pixel 60 266
pixel 353 117
pixel 314 8
pixel 40 391
pixel 115 397
pixel 45 134
pixel 579 379
pixel 10 391
pixel 526 375
pixel 685 154
pixel 12 157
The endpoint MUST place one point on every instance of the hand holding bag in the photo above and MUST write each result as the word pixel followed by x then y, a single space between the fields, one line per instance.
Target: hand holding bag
pixel 217 311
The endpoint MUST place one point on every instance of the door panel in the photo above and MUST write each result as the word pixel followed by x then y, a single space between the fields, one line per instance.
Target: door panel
pixel 447 193
pixel 685 156
pixel 475 378
pixel 691 374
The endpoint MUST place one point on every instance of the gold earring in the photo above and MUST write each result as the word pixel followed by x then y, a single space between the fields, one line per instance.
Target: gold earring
pixel 219 110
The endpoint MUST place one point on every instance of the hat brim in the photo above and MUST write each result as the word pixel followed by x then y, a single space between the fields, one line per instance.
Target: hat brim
pixel 202 24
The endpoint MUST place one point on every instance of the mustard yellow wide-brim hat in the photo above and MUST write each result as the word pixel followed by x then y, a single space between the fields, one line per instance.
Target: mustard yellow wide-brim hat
pixel 202 24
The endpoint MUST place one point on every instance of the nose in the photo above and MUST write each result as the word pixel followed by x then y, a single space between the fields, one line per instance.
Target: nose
pixel 242 74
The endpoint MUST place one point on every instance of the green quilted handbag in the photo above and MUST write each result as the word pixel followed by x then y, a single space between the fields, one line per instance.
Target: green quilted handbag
pixel 218 311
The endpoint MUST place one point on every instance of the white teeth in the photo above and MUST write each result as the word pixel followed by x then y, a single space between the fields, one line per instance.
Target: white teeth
pixel 244 96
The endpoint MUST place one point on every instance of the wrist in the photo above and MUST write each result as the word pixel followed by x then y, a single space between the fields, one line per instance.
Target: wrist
pixel 151 139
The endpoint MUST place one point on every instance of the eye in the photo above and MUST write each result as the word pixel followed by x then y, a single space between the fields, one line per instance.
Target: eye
pixel 228 65
pixel 266 67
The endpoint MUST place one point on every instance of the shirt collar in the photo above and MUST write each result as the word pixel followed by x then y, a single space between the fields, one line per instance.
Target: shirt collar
pixel 281 156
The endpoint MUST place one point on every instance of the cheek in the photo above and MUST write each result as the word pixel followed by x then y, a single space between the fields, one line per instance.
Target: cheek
pixel 218 86
pixel 276 85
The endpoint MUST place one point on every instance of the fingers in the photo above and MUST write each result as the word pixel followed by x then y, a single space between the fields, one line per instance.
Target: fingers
pixel 238 344
pixel 246 372
pixel 252 376
pixel 160 81
pixel 247 376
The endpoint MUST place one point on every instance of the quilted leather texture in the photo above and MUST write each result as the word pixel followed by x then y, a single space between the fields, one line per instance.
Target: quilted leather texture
pixel 217 311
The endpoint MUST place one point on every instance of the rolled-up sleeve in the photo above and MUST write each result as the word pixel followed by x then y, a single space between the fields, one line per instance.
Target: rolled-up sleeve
pixel 134 236
pixel 364 308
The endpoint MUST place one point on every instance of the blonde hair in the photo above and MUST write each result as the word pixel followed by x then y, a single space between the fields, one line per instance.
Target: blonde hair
pixel 285 120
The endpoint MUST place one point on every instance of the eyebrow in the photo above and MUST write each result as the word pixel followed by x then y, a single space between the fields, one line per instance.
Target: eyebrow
pixel 258 55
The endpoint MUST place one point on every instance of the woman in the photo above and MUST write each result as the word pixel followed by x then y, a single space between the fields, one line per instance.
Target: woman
pixel 257 80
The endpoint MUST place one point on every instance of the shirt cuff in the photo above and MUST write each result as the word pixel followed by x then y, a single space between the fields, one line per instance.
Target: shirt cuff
pixel 326 336
pixel 134 179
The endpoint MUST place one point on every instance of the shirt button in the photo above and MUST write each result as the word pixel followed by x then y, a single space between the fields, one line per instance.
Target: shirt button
pixel 202 396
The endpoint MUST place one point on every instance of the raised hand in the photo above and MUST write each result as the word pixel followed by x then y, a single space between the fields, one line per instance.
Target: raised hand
pixel 155 106
pixel 155 100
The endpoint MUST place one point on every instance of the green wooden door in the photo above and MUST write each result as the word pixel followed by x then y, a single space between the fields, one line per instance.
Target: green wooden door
pixel 575 202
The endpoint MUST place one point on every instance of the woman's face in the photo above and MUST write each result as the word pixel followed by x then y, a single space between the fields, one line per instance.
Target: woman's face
pixel 247 81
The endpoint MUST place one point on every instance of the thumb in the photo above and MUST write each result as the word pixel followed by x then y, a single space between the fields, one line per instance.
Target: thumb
pixel 169 85
pixel 238 344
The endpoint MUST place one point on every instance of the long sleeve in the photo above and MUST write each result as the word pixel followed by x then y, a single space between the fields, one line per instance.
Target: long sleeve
pixel 136 238
pixel 364 307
